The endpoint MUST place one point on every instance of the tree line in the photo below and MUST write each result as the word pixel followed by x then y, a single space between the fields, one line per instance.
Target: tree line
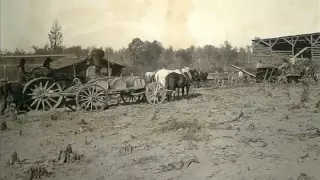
pixel 143 55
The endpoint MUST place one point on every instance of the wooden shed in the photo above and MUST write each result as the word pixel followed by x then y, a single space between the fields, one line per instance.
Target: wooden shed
pixel 273 50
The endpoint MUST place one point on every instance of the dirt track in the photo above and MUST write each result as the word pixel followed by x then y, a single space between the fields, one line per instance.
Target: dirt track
pixel 206 137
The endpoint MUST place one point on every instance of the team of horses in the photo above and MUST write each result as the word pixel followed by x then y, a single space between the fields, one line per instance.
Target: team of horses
pixel 174 80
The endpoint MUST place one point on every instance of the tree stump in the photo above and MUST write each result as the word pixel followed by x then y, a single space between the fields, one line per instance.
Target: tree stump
pixel 14 159
pixel 3 126
pixel 37 172
pixel 68 155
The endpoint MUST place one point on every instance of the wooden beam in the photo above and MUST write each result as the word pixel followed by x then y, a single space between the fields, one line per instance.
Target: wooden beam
pixel 255 44
pixel 292 47
pixel 244 71
pixel 287 41
pixel 38 56
pixel 308 40
pixel 265 43
pixel 274 42
pixel 295 42
pixel 316 40
pixel 300 52
pixel 270 47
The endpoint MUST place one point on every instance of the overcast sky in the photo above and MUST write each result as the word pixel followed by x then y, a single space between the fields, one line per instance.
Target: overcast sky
pixel 173 22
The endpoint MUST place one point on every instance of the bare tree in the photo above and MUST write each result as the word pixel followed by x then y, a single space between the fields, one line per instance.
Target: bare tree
pixel 55 37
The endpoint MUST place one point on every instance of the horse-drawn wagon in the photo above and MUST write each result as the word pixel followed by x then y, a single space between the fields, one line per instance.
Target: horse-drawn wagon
pixel 224 78
pixel 51 90
pixel 28 81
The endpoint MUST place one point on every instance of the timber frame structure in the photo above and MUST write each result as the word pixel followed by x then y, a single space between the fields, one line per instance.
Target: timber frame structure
pixel 302 46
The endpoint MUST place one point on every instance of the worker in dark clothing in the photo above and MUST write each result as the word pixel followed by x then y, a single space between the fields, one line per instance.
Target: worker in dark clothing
pixel 47 62
pixel 3 95
pixel 10 93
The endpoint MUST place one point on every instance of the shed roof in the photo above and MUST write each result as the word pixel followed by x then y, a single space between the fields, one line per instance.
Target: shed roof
pixel 284 43
pixel 71 60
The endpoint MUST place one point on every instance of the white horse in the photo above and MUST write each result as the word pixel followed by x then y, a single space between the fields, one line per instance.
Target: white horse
pixel 161 75
pixel 150 76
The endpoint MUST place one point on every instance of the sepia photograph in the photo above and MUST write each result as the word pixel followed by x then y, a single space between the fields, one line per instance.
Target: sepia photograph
pixel 159 90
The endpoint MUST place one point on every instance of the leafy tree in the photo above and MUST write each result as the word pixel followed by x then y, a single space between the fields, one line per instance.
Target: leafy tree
pixel 152 54
pixel 39 50
pixel 55 38
pixel 77 50
pixel 19 52
pixel 168 57
pixel 137 48
pixel 186 55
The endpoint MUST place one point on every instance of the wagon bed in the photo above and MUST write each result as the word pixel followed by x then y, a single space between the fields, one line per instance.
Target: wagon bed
pixel 46 94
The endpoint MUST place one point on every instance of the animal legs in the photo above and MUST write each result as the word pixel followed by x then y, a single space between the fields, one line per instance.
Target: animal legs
pixel 182 91
pixel 188 89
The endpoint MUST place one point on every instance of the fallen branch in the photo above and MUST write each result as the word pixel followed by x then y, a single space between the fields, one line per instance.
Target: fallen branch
pixel 179 165
pixel 225 122
pixel 14 159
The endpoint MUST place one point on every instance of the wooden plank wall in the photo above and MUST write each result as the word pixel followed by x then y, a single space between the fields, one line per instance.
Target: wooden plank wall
pixel 315 51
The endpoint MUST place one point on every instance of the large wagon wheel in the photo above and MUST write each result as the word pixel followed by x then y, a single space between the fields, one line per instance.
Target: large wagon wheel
pixel 219 82
pixel 155 93
pixel 42 94
pixel 92 97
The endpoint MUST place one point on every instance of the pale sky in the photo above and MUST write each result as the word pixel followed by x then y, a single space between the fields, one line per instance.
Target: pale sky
pixel 179 23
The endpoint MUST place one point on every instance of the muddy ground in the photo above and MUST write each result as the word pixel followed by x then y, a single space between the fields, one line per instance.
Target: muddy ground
pixel 258 132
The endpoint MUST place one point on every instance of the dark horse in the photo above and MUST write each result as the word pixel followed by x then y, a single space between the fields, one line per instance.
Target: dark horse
pixel 199 77
pixel 176 81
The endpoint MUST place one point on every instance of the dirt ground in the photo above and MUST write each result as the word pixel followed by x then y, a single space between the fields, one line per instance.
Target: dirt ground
pixel 245 133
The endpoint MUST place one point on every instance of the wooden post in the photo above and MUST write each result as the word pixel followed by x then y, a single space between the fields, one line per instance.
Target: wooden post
pixel 108 60
pixel 4 69
pixel 271 75
pixel 265 76
pixel 74 71
pixel 292 46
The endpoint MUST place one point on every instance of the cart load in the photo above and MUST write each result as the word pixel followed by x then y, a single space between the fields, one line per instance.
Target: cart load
pixel 269 74
pixel 135 81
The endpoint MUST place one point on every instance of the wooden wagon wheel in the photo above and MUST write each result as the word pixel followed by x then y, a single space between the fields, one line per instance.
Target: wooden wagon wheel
pixel 132 98
pixel 70 103
pixel 155 93
pixel 42 94
pixel 92 97
pixel 219 82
